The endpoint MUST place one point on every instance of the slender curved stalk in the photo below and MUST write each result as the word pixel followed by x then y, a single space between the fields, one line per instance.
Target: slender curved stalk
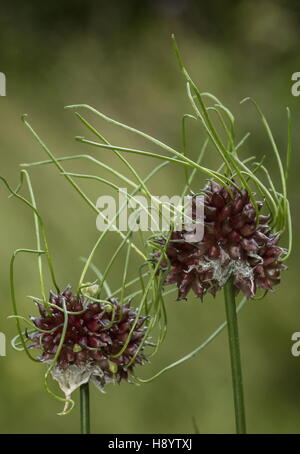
pixel 85 408
pixel 234 347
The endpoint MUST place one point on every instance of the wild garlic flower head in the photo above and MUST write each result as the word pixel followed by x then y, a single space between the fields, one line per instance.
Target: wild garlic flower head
pixel 238 241
pixel 102 340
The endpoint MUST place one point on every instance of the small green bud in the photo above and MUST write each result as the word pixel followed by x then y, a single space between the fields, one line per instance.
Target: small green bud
pixel 113 367
pixel 108 308
pixel 77 348
pixel 92 290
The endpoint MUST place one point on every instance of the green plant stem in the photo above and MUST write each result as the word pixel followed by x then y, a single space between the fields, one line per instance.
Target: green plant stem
pixel 234 347
pixel 85 408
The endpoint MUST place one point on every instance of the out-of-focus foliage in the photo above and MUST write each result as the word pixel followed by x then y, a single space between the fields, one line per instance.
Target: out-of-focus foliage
pixel 117 56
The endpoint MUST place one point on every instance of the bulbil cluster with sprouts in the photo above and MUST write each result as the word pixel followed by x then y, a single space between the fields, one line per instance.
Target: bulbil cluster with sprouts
pixel 100 341
pixel 237 241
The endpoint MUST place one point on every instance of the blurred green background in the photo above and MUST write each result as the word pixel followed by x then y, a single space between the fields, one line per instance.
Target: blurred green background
pixel 117 56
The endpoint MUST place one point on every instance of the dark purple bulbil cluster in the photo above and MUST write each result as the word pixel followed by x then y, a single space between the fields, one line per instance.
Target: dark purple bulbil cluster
pixel 235 243
pixel 92 337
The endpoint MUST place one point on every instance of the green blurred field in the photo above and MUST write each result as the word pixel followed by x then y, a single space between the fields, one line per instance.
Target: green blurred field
pixel 119 59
